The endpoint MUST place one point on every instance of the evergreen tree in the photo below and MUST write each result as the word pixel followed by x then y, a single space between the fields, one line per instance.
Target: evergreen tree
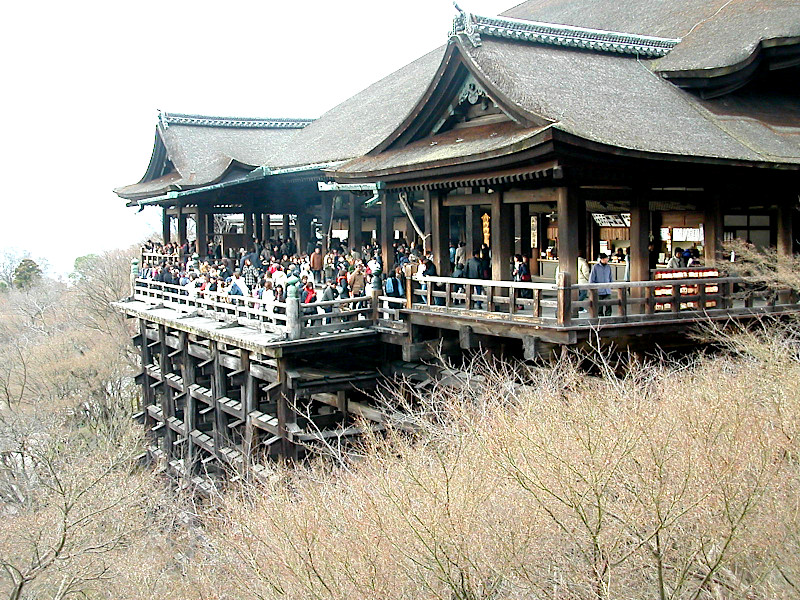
pixel 26 273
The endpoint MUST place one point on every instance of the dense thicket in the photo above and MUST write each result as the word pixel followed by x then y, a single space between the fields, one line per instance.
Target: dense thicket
pixel 669 479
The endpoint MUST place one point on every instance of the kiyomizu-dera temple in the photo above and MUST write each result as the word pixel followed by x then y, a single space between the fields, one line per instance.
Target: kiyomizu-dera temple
pixel 558 130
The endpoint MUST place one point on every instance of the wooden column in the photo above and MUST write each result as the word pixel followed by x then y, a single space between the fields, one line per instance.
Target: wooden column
pixel 428 220
pixel 388 210
pixel 248 227
pixel 201 241
pixel 640 236
pixel 473 229
pixel 354 237
pixel 785 241
pixel 265 228
pixel 181 226
pixel 168 400
pixel 210 225
pixel 257 225
pixel 166 231
pixel 502 225
pixel 190 404
pixel 302 230
pixel 285 228
pixel 440 228
pixel 219 389
pixel 326 213
pixel 522 229
pixel 712 227
pixel 569 207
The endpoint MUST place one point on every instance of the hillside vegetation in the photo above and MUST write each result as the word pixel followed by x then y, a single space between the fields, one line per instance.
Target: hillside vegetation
pixel 645 479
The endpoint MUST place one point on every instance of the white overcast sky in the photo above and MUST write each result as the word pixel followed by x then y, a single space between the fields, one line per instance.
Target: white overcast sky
pixel 83 82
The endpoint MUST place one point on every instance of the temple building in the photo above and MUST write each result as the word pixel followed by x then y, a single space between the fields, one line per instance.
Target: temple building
pixel 559 129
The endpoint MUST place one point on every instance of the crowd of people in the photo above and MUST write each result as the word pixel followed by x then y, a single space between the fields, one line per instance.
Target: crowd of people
pixel 277 269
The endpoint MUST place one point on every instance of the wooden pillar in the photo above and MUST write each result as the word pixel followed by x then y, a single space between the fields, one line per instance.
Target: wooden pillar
pixel 473 229
pixel 522 229
pixel 265 229
pixel 181 226
pixel 354 237
pixel 248 227
pixel 166 231
pixel 712 227
pixel 219 389
pixel 640 236
pixel 785 241
pixel 440 228
pixel 284 410
pixel 325 226
pixel 502 237
pixel 210 225
pixel 569 207
pixel 190 408
pixel 148 396
pixel 257 225
pixel 201 241
pixel 302 230
pixel 168 402
pixel 428 220
pixel 388 210
pixel 538 242
pixel 285 228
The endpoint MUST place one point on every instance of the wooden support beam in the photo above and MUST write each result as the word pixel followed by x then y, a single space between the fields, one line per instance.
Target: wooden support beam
pixel 569 207
pixel 428 220
pixel 712 229
pixel 219 389
pixel 265 228
pixel 257 224
pixel 473 229
pixel 354 237
pixel 188 374
pixel 522 230
pixel 166 231
pixel 388 210
pixel 201 238
pixel 285 401
pixel 325 218
pixel 440 227
pixel 785 239
pixel 285 227
pixel 502 225
pixel 181 226
pixel 168 400
pixel 302 227
pixel 640 237
pixel 249 233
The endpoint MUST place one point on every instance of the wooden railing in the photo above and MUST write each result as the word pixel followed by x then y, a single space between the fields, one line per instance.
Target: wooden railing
pixel 565 305
pixel 513 298
pixel 292 318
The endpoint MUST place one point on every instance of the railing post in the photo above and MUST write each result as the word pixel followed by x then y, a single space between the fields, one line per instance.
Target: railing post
pixel 376 305
pixel 293 323
pixel 676 298
pixel 409 291
pixel 622 296
pixel 564 311
pixel 134 275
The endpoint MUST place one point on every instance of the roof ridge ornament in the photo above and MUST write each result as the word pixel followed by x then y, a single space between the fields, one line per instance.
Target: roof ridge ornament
pixel 474 26
pixel 168 119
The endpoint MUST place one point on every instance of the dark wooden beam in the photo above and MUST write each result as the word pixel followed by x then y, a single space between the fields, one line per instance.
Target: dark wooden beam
pixel 181 226
pixel 440 233
pixel 388 210
pixel 285 227
pixel 785 238
pixel 165 226
pixel 502 237
pixel 325 221
pixel 713 229
pixel 201 241
pixel 569 207
pixel 428 220
pixel 640 237
pixel 354 237
pixel 265 228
